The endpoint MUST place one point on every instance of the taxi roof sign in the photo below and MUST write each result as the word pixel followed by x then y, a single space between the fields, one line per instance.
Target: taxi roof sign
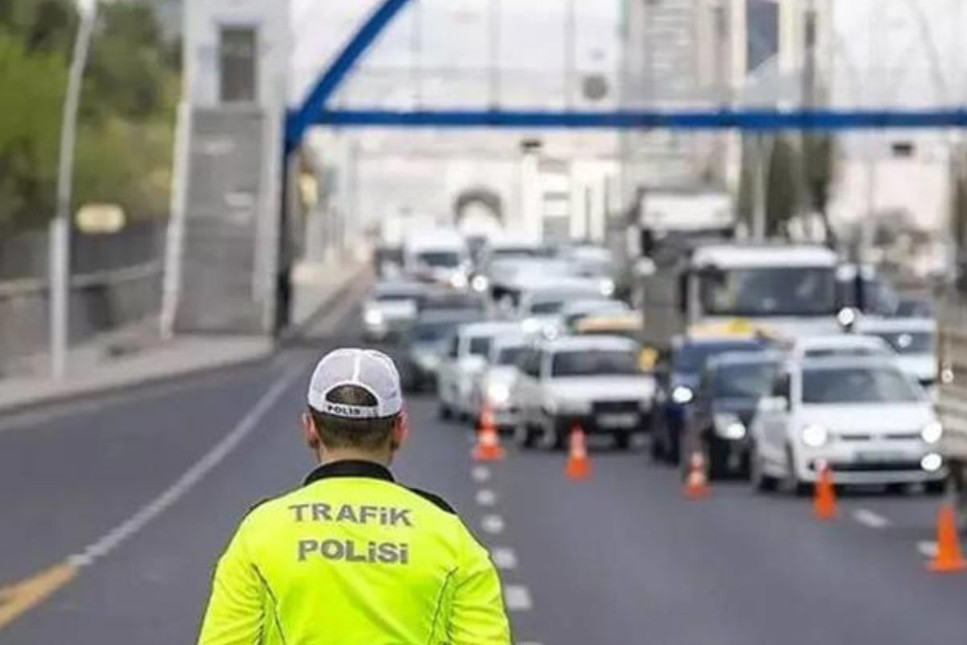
pixel 735 327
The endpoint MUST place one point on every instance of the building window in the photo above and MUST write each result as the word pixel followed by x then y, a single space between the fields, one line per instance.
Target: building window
pixel 238 60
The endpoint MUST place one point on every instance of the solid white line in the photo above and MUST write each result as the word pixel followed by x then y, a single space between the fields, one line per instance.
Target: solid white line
pixel 481 474
pixel 927 548
pixel 870 519
pixel 116 536
pixel 518 598
pixel 504 558
pixel 486 497
pixel 492 524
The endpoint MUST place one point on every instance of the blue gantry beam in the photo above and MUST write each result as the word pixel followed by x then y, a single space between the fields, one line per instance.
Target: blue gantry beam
pixel 314 109
pixel 716 119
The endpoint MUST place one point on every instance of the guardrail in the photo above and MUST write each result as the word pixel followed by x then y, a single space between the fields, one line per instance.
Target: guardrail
pixel 100 301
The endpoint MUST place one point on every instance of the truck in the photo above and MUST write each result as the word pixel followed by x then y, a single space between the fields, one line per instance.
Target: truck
pixel 662 218
pixel 787 289
pixel 951 393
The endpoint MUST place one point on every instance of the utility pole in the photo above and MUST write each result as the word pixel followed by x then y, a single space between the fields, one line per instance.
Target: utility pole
pixel 808 142
pixel 60 226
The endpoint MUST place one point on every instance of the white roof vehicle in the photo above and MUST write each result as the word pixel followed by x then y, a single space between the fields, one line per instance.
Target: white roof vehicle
pixel 541 303
pixel 913 340
pixel 466 356
pixel 390 307
pixel 593 382
pixel 493 385
pixel 837 345
pixel 862 416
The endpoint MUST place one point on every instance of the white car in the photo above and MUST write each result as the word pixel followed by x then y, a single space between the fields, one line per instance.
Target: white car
pixel 838 345
pixel 493 386
pixel 913 339
pixel 862 416
pixel 541 304
pixel 575 310
pixel 465 358
pixel 594 382
pixel 390 309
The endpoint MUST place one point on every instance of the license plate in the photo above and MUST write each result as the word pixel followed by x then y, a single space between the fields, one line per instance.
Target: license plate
pixel 626 420
pixel 879 457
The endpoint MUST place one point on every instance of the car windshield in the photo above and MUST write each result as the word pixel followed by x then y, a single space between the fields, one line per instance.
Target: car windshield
pixel 426 332
pixel 743 380
pixel 857 385
pixel 845 350
pixel 480 345
pixel 443 259
pixel 691 358
pixel 771 291
pixel 509 355
pixel 908 342
pixel 396 296
pixel 594 363
pixel 510 253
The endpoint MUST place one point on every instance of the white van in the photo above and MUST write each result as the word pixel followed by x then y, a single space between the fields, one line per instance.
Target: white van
pixel 439 256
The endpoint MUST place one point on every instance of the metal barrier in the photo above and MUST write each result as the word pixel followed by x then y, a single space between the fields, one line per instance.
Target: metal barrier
pixel 116 282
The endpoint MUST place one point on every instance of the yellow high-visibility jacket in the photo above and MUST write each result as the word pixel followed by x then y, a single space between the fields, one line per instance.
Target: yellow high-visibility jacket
pixel 353 558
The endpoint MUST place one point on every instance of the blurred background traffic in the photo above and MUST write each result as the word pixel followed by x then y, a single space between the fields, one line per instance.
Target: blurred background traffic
pixel 721 241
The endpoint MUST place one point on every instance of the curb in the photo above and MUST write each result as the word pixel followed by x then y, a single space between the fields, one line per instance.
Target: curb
pixel 253 357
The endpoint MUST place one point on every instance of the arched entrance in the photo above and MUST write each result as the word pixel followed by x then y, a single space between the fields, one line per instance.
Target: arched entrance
pixel 478 212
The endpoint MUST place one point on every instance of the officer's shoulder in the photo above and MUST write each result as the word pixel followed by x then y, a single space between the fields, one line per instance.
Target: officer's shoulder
pixel 434 499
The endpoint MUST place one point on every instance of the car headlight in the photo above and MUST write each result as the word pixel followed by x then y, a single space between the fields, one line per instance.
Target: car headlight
pixel 932 432
pixel 931 462
pixel 814 436
pixel 498 393
pixel 606 286
pixel 550 332
pixel 427 360
pixel 373 317
pixel 480 283
pixel 682 394
pixel 729 426
pixel 458 281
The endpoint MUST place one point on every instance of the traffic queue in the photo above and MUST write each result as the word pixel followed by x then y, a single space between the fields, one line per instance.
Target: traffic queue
pixel 748 355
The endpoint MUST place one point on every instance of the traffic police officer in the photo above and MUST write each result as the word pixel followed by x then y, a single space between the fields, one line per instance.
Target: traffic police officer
pixel 352 557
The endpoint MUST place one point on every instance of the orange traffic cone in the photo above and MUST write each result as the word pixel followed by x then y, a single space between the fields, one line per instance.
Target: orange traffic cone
pixel 824 499
pixel 696 482
pixel 578 465
pixel 488 441
pixel 949 558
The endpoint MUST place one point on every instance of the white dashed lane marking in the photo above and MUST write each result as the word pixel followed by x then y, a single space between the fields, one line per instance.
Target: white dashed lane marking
pixel 518 598
pixel 492 524
pixel 486 497
pixel 927 548
pixel 481 474
pixel 870 519
pixel 504 558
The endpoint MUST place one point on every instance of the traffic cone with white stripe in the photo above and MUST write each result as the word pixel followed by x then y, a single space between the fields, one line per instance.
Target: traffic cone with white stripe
pixel 578 464
pixel 824 500
pixel 949 558
pixel 696 481
pixel 488 446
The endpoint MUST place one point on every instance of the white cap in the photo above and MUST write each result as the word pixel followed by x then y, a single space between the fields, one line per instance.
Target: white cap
pixel 364 368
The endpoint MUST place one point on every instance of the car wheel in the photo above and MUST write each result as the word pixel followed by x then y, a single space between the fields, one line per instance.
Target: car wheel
pixel 445 411
pixel 792 483
pixel 622 440
pixel 525 435
pixel 761 481
pixel 716 457
pixel 674 453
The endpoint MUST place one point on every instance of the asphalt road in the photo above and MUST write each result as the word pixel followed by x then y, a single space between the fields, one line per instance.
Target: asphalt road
pixel 620 560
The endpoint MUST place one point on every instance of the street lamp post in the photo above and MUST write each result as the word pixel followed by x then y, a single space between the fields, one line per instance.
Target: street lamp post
pixel 60 226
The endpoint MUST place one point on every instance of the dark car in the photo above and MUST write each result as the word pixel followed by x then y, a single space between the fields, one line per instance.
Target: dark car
pixel 728 392
pixel 426 342
pixel 678 372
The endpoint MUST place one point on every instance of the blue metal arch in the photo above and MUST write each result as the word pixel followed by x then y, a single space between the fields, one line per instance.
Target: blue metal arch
pixel 300 120
pixel 314 112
